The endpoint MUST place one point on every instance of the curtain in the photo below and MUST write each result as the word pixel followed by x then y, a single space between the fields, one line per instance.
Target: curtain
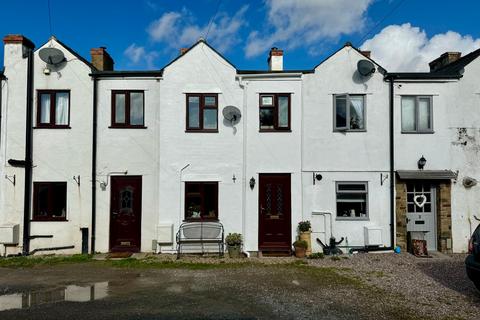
pixel 283 111
pixel 356 113
pixel 424 114
pixel 408 113
pixel 61 108
pixel 45 108
pixel 136 108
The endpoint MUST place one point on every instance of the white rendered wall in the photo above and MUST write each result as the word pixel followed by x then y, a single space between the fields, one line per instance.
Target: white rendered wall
pixel 345 156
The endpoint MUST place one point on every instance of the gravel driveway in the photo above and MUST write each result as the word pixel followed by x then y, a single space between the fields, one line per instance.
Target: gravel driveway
pixel 363 286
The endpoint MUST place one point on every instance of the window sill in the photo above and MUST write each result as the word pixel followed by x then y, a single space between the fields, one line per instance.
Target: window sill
pixel 352 219
pixel 52 127
pixel 201 130
pixel 275 130
pixel 202 220
pixel 49 220
pixel 127 127
pixel 349 130
pixel 418 132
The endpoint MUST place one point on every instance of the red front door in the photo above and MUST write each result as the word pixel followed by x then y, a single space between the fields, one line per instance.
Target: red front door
pixel 274 212
pixel 125 213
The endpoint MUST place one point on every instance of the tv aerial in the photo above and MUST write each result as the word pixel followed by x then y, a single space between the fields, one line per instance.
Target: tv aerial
pixel 365 67
pixel 232 114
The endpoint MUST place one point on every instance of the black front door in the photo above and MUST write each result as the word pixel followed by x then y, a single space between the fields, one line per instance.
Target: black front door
pixel 125 213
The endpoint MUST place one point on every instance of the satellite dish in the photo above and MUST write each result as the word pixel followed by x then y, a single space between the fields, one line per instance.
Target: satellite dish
pixel 51 56
pixel 232 114
pixel 365 67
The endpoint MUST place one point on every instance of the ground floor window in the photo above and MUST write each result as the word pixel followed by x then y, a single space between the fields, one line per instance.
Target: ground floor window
pixel 352 200
pixel 49 201
pixel 201 200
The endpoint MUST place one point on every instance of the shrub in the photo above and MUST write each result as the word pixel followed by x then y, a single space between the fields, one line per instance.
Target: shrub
pixel 304 226
pixel 233 239
pixel 300 244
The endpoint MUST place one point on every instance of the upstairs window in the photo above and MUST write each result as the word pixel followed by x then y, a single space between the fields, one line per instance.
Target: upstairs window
pixel 49 201
pixel 201 200
pixel 202 112
pixel 128 109
pixel 352 200
pixel 275 112
pixel 53 110
pixel 417 116
pixel 349 112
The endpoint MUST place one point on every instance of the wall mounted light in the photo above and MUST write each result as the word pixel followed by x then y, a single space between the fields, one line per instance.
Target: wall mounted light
pixel 252 183
pixel 421 162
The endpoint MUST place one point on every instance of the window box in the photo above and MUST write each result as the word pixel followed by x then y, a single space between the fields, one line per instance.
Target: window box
pixel 202 112
pixel 274 112
pixel 53 109
pixel 352 200
pixel 417 114
pixel 201 201
pixel 49 201
pixel 349 112
pixel 128 109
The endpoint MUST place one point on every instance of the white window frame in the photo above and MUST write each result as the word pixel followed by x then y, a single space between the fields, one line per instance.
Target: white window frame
pixel 337 191
pixel 347 126
pixel 417 98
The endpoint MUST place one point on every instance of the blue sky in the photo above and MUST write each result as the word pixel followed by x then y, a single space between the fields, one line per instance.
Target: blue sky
pixel 147 34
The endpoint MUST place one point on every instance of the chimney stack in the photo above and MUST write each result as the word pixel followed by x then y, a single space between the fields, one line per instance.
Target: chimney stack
pixel 101 59
pixel 183 50
pixel 275 59
pixel 16 48
pixel 443 60
pixel 366 53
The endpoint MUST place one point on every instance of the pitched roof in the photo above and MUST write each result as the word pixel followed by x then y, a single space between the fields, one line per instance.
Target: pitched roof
pixel 73 52
pixel 457 66
pixel 201 40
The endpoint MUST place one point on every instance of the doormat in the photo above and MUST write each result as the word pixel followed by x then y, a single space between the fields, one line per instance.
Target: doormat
pixel 119 255
pixel 276 253
pixel 419 248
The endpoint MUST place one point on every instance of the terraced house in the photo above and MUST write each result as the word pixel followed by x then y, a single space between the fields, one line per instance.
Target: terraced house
pixel 98 160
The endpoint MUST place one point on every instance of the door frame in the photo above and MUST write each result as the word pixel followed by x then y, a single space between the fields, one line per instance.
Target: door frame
pixel 139 229
pixel 289 222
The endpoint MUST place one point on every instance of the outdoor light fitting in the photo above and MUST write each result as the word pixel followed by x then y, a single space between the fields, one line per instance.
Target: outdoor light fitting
pixel 421 162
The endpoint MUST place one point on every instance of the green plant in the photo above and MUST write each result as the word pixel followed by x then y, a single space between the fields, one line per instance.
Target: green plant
pixel 233 239
pixel 300 244
pixel 316 255
pixel 304 226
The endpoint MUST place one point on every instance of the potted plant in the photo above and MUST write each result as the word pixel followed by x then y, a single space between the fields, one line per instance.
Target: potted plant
pixel 300 247
pixel 234 244
pixel 305 232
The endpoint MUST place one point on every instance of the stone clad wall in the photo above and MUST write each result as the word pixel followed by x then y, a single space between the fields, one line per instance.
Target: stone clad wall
pixel 401 214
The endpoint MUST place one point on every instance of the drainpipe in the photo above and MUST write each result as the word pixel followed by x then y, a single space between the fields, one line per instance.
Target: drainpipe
pixel 392 163
pixel 28 156
pixel 244 87
pixel 94 165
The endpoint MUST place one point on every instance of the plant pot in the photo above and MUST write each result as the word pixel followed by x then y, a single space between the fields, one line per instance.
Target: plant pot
pixel 306 236
pixel 300 252
pixel 234 251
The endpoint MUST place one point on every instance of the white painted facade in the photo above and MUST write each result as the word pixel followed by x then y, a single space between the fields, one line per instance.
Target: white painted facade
pixel 166 156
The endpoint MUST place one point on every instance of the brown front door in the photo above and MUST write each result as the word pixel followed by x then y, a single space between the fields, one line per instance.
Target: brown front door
pixel 125 213
pixel 274 232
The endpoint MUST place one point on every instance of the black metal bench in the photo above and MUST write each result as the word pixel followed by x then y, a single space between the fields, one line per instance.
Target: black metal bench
pixel 208 232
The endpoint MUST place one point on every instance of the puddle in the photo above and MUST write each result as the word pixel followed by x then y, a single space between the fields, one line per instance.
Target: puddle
pixel 72 293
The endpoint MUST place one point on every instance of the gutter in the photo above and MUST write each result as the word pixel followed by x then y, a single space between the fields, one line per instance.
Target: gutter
pixel 273 75
pixel 28 156
pixel 94 165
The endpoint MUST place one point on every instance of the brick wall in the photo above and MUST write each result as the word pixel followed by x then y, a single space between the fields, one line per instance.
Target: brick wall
pixel 401 214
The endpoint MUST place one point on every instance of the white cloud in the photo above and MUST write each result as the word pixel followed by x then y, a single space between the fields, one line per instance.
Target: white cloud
pixel 137 55
pixel 293 23
pixel 407 48
pixel 179 29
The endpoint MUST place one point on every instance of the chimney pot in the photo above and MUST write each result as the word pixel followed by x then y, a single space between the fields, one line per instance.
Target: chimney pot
pixel 444 60
pixel 275 59
pixel 101 59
